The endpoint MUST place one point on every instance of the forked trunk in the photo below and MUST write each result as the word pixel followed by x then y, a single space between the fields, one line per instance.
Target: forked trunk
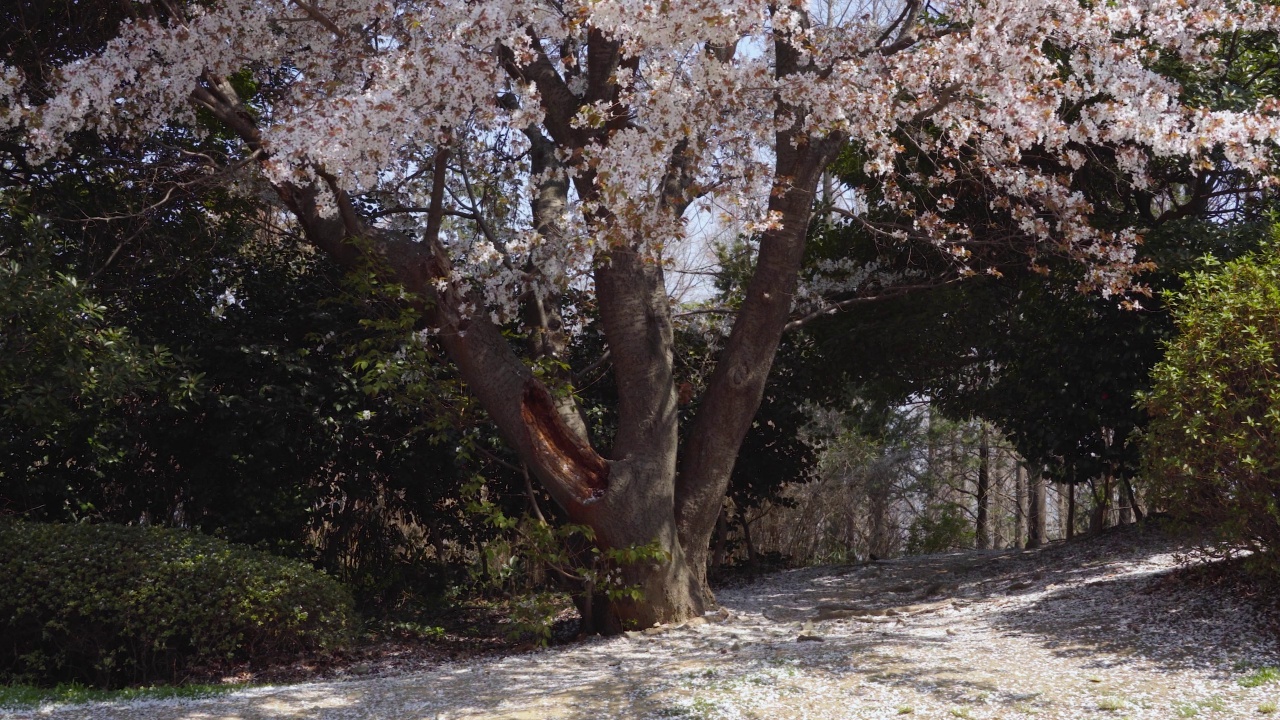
pixel 632 496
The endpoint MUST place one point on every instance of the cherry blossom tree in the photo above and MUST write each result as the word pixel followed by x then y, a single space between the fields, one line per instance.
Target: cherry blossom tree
pixel 488 156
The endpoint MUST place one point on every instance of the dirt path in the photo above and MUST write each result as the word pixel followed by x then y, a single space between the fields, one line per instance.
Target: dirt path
pixel 1086 630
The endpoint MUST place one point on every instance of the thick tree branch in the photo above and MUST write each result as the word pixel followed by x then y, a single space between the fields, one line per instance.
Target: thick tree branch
pixel 315 14
pixel 559 103
pixel 636 317
pixel 603 57
pixel 541 311
pixel 736 386
pixel 517 402
pixel 831 308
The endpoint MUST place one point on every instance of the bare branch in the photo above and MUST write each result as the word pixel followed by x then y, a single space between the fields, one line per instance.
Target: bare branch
pixel 314 13
pixel 891 293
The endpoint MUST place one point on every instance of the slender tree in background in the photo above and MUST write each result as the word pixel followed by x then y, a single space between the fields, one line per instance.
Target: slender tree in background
pixel 1020 503
pixel 490 156
pixel 982 525
pixel 1036 509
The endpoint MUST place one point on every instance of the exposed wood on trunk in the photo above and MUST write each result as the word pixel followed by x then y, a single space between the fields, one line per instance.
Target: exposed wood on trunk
pixel 540 312
pixel 558 449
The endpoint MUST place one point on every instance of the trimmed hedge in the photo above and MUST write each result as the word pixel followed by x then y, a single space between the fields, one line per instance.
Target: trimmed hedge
pixel 109 605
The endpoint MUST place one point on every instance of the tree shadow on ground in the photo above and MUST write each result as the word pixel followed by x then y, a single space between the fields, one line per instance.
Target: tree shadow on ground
pixel 1098 597
pixel 1098 603
pixel 1166 617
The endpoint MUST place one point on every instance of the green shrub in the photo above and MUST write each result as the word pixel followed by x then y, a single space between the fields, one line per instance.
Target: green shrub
pixel 944 527
pixel 110 605
pixel 1212 452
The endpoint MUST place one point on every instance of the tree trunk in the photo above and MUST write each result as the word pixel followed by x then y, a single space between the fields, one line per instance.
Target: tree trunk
pixel 1125 505
pixel 1019 504
pixel 1133 500
pixel 881 538
pixel 737 383
pixel 1100 518
pixel 633 496
pixel 1036 511
pixel 984 490
pixel 721 538
pixel 1069 522
pixel 746 539
pixel 998 516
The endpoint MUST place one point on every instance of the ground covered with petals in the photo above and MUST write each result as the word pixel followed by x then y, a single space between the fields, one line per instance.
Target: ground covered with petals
pixel 1108 628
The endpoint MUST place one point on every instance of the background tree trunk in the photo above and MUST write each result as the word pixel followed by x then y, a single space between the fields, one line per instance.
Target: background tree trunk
pixel 1019 500
pixel 983 530
pixel 721 542
pixel 1069 520
pixel 1133 500
pixel 1036 511
pixel 1100 517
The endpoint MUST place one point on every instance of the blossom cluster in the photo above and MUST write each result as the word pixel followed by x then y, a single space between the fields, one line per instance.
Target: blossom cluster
pixel 366 92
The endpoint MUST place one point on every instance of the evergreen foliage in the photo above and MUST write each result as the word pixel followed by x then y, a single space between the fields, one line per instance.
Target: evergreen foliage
pixel 1213 445
pixel 110 605
pixel 250 391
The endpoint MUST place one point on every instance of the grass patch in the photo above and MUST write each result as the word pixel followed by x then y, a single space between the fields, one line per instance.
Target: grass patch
pixel 1192 709
pixel 1213 704
pixel 1268 708
pixel 1261 676
pixel 700 709
pixel 1111 704
pixel 905 709
pixel 18 696
pixel 703 708
pixel 962 712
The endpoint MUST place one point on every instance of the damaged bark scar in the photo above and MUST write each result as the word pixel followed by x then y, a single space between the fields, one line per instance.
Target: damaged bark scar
pixel 558 450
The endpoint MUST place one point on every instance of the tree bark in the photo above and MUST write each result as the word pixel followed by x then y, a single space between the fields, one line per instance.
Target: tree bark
pixel 737 384
pixel 1100 517
pixel 721 543
pixel 1133 500
pixel 634 495
pixel 881 539
pixel 1069 522
pixel 1019 504
pixel 983 531
pixel 746 540
pixel 1036 511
